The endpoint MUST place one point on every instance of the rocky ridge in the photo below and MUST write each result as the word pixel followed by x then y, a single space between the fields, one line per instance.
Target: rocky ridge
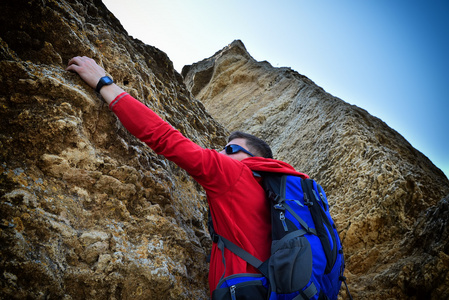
pixel 386 196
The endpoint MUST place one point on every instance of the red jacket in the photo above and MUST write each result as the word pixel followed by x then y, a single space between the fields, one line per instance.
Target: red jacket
pixel 237 201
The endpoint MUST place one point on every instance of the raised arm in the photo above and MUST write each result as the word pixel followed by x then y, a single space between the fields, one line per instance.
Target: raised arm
pixel 214 171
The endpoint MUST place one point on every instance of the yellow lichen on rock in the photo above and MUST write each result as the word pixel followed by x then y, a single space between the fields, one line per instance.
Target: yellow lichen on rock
pixel 87 211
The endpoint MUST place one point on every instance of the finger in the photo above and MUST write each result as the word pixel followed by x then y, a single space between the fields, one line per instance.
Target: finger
pixel 75 60
pixel 73 67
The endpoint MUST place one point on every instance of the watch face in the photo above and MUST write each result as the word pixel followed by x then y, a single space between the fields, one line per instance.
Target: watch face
pixel 107 80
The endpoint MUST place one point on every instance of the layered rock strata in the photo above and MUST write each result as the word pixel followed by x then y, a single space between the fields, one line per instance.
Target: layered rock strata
pixel 386 196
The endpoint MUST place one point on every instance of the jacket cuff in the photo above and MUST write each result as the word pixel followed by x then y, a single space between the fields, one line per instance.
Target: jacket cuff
pixel 117 99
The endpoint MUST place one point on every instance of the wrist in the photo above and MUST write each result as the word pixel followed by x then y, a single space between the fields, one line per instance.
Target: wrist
pixel 110 92
pixel 104 81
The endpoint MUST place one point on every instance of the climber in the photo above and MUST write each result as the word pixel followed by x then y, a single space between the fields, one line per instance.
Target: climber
pixel 226 176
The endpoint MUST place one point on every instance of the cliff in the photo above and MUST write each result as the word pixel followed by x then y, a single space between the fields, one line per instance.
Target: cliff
pixel 87 211
pixel 386 196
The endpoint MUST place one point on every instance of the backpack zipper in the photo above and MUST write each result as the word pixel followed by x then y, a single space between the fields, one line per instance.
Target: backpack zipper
pixel 326 204
pixel 281 207
pixel 282 217
pixel 232 290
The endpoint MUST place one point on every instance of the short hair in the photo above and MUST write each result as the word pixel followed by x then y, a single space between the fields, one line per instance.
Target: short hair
pixel 256 146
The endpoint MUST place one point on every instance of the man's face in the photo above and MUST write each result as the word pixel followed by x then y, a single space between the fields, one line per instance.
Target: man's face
pixel 239 155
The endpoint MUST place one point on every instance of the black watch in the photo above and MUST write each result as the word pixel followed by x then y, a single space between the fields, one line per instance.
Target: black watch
pixel 106 80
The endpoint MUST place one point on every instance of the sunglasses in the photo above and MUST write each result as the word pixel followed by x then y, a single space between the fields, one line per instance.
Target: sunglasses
pixel 231 149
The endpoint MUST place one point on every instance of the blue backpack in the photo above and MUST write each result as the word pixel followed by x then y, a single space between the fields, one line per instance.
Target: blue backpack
pixel 306 259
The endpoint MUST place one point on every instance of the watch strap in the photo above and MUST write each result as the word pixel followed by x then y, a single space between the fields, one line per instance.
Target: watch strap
pixel 105 80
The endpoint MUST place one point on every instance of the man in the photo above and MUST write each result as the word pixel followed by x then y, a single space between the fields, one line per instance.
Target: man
pixel 237 202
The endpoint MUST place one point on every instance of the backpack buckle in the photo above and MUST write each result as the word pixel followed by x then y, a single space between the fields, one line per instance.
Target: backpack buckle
pixel 214 237
pixel 307 201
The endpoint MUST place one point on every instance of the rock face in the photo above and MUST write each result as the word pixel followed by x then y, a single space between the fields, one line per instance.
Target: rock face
pixel 87 211
pixel 386 195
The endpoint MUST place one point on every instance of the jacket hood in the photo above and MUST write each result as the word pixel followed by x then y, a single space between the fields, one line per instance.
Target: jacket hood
pixel 261 164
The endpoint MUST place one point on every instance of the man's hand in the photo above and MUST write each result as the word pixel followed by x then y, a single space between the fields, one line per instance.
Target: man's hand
pixel 91 73
pixel 87 69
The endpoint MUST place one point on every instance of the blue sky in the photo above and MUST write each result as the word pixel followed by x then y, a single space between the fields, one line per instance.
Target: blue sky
pixel 390 57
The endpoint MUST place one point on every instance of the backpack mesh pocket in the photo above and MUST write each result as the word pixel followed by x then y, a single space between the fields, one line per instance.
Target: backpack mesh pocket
pixel 290 266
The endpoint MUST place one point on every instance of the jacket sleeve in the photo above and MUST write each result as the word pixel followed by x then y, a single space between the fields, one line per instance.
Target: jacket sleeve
pixel 214 171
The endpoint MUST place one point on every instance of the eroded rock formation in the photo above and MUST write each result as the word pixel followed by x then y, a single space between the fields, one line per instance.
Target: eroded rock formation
pixel 386 195
pixel 87 211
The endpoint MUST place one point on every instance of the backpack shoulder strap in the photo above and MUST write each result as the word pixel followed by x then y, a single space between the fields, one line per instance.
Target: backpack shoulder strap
pixel 246 256
pixel 322 224
pixel 222 243
pixel 274 185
